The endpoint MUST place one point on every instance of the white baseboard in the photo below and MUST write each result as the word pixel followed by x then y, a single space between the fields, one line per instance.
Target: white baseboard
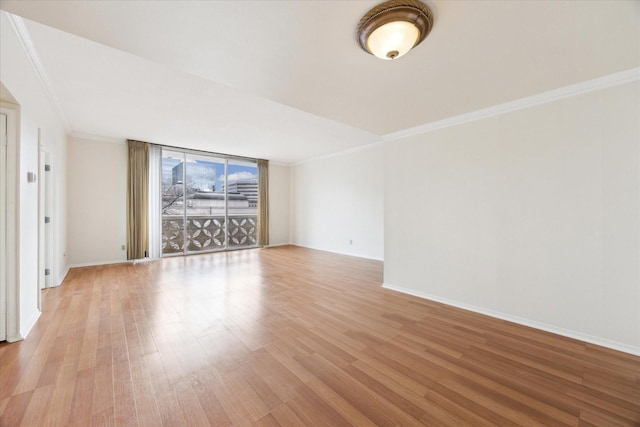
pixel 92 264
pixel 278 244
pixel 339 252
pixel 142 260
pixel 522 321
pixel 29 325
pixel 64 275
pixel 14 338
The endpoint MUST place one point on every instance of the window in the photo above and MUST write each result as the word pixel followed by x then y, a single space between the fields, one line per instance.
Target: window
pixel 208 202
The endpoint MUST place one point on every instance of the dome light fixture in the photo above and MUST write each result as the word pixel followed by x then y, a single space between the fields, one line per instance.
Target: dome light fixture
pixel 393 28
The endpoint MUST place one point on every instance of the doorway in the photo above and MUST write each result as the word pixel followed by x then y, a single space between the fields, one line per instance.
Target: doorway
pixel 9 287
pixel 45 220
pixel 3 227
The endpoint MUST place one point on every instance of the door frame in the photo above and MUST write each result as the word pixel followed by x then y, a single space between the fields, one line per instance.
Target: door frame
pixel 46 208
pixel 11 297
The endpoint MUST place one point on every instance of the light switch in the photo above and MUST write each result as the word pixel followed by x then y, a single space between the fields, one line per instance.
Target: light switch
pixel 31 177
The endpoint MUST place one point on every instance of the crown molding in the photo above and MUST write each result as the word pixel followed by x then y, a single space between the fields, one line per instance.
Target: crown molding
pixel 97 138
pixel 610 80
pixel 577 89
pixel 339 153
pixel 17 24
pixel 275 163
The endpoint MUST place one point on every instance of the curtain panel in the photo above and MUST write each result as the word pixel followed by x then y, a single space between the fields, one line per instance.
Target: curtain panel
pixel 155 200
pixel 263 202
pixel 137 200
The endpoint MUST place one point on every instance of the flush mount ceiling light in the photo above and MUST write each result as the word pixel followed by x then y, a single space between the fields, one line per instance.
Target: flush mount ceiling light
pixel 393 28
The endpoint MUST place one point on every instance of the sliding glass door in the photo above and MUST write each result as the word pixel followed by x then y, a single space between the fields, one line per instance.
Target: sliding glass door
pixel 209 203
pixel 242 195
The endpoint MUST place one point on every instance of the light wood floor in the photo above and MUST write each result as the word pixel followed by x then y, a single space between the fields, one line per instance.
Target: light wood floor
pixel 293 337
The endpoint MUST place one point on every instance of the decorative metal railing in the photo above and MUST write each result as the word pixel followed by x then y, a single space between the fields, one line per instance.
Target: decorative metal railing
pixel 207 233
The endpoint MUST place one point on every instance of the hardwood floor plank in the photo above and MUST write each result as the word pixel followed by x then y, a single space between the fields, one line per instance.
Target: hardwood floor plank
pixel 32 373
pixel 466 408
pixel 389 394
pixel 275 375
pixel 59 410
pixel 598 402
pixel 15 358
pixel 36 413
pixel 512 409
pixel 103 383
pixel 289 336
pixel 607 384
pixel 601 419
pixel 188 400
pixel 3 405
pixel 432 414
pixel 343 408
pixel 143 391
pixel 124 401
pixel 242 394
pixel 15 409
pixel 313 410
pixel 286 417
pixel 262 390
pixel 403 379
pixel 267 421
pixel 521 394
pixel 223 349
pixel 53 363
pixel 82 396
pixel 103 418
pixel 204 384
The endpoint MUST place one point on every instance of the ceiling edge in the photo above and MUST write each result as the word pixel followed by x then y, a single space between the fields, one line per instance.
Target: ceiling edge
pixel 338 153
pixel 97 138
pixel 17 24
pixel 577 89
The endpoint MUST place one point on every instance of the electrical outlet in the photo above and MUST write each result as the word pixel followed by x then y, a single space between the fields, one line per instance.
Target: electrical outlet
pixel 351 242
pixel 123 247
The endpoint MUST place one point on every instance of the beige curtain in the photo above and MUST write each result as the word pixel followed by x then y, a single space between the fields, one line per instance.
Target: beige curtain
pixel 137 200
pixel 263 202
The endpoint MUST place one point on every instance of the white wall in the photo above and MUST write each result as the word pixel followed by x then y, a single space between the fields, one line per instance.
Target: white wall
pixel 36 112
pixel 340 199
pixel 97 182
pixel 533 215
pixel 279 204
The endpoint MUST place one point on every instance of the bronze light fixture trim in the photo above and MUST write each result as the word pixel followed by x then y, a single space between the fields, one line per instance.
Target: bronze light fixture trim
pixel 393 28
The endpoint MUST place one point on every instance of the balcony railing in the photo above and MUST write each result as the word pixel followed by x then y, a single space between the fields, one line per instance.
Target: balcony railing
pixel 207 233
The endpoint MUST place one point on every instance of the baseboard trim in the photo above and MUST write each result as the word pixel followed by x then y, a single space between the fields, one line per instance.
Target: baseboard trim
pixel 93 264
pixel 14 338
pixel 339 252
pixel 30 324
pixel 64 276
pixel 614 345
pixel 277 244
pixel 143 260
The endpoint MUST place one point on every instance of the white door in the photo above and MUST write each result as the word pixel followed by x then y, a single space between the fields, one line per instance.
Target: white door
pixel 47 272
pixel 3 227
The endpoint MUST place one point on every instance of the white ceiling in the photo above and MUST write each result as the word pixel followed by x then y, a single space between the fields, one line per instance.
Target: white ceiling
pixel 285 80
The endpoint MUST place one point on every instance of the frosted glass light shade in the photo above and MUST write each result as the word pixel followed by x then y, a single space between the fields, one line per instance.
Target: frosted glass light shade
pixel 393 28
pixel 392 40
